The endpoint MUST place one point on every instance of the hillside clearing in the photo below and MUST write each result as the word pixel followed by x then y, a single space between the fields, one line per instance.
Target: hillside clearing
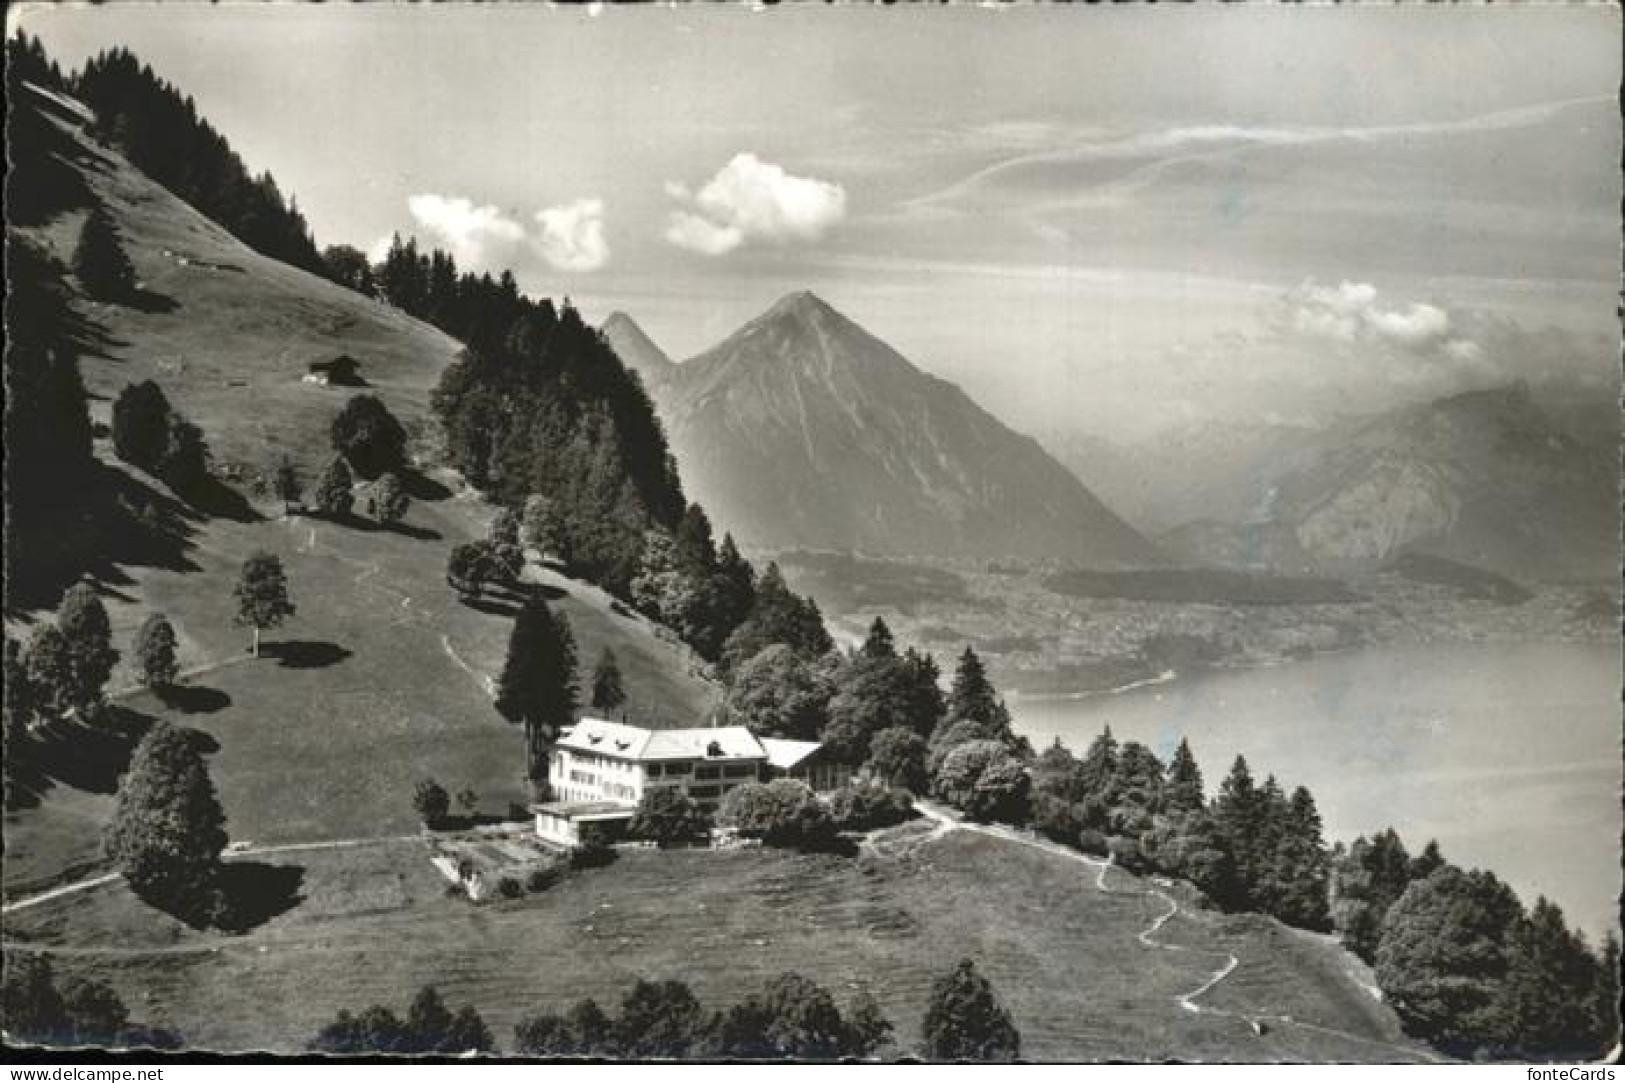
pixel 372 924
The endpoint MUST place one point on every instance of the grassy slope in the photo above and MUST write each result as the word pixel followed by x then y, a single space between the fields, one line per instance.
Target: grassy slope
pixel 375 924
pixel 326 743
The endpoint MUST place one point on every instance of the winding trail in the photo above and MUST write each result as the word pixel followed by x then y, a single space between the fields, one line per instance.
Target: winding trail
pixel 1255 1021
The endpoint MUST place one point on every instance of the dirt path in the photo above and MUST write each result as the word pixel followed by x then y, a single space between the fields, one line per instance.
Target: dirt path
pixel 251 851
pixel 1257 1022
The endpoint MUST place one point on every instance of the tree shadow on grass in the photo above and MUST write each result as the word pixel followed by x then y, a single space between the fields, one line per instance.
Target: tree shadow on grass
pixel 305 653
pixel 85 757
pixel 373 526
pixel 422 487
pixel 142 299
pixel 254 892
pixel 193 699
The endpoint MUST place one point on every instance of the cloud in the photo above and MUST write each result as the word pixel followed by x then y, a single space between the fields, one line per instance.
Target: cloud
pixel 571 236
pixel 700 235
pixel 476 236
pixel 1350 312
pixel 752 200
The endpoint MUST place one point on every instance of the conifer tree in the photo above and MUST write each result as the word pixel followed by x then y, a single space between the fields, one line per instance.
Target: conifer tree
pixel 48 662
pixel 156 662
pixel 607 691
pixel 879 643
pixel 1183 791
pixel 1097 771
pixel 537 687
pixel 99 260
pixel 89 634
pixel 287 484
pixel 972 696
pixel 335 491
pixel 965 1021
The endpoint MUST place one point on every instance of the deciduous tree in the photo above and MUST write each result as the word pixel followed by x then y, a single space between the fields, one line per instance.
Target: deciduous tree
pixel 262 595
pixel 167 828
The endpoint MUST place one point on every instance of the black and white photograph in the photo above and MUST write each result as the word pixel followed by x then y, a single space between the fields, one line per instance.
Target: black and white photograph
pixel 812 532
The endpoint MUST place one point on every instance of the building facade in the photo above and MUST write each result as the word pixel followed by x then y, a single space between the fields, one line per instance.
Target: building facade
pixel 600 770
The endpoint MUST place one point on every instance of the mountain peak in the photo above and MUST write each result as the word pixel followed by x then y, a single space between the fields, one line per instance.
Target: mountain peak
pixel 634 347
pixel 801 303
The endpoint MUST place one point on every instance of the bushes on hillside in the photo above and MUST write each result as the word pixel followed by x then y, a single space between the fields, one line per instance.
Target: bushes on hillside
pixel 429 1028
pixel 792 1017
pixel 79 1012
pixel 431 802
pixel 667 817
pixel 864 807
pixel 984 781
pixel 783 812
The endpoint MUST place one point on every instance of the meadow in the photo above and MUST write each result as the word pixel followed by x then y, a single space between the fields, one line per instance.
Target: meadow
pixel 371 924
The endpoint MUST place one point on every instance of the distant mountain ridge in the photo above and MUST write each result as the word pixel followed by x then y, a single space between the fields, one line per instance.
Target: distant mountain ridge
pixel 1486 478
pixel 803 429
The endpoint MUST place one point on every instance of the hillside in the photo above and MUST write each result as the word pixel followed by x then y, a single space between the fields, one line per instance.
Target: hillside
pixel 803 429
pixel 381 677
pixel 1060 940
pixel 1486 478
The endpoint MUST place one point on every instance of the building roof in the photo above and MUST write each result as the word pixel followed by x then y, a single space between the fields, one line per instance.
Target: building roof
pixel 787 754
pixel 587 810
pixel 617 739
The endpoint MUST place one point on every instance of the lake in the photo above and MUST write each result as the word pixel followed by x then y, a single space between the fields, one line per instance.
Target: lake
pixel 1509 755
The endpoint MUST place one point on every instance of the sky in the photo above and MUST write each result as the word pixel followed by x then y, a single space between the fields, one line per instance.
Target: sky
pixel 1105 220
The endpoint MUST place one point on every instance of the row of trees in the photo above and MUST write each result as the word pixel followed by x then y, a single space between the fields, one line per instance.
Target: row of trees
pixel 1463 962
pixel 542 407
pixel 159 131
pixel 48 460
pixel 792 1017
pixel 77 1012
pixel 429 1028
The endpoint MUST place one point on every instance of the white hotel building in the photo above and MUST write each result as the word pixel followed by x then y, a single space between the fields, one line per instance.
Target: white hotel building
pixel 600 770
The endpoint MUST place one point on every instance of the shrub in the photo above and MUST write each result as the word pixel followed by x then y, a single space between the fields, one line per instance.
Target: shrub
pixel 1093 842
pixel 783 812
pixel 864 807
pixel 1128 854
pixel 540 879
pixel 431 802
pixel 592 854
pixel 667 817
